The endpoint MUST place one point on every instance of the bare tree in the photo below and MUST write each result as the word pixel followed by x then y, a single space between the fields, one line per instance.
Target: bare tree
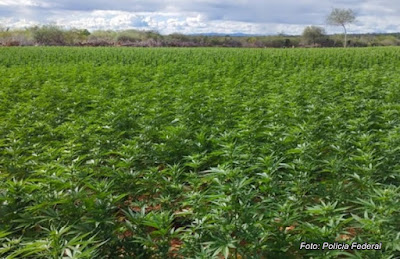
pixel 341 17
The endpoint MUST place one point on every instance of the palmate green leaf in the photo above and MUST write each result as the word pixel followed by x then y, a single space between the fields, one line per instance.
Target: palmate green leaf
pixel 4 234
pixel 250 145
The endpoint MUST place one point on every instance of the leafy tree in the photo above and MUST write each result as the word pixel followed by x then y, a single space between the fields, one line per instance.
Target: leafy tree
pixel 153 35
pixel 341 17
pixel 84 32
pixel 312 34
pixel 49 35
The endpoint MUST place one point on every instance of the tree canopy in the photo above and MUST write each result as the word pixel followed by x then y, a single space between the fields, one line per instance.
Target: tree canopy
pixel 341 17
pixel 312 34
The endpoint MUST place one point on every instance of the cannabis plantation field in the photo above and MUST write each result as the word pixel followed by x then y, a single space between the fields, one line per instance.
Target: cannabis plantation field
pixel 198 153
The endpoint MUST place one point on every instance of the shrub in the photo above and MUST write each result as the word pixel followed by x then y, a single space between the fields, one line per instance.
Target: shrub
pixel 313 35
pixel 49 35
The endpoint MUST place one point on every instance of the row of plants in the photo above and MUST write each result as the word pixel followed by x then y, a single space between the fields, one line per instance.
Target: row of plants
pixel 198 153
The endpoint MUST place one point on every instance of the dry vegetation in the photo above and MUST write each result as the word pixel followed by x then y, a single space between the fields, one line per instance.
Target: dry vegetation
pixel 57 36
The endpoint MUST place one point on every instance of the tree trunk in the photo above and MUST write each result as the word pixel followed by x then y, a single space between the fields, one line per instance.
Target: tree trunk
pixel 345 36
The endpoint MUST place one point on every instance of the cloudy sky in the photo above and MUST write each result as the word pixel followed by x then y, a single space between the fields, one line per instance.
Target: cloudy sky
pixel 200 16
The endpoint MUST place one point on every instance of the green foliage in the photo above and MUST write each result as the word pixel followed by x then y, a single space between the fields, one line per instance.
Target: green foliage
pixel 49 35
pixel 106 36
pixel 198 153
pixel 313 34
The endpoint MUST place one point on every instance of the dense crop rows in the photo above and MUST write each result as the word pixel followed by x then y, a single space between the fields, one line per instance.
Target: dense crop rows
pixel 198 152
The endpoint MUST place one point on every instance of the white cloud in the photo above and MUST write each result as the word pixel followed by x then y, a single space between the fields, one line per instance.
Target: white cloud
pixel 25 3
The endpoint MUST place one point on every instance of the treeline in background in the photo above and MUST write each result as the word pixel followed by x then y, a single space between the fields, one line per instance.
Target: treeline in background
pixel 51 35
